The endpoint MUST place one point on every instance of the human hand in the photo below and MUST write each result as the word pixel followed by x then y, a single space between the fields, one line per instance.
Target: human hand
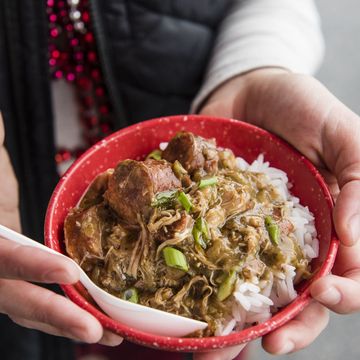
pixel 303 112
pixel 25 303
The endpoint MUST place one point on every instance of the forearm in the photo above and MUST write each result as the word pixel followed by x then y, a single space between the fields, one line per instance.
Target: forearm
pixel 264 33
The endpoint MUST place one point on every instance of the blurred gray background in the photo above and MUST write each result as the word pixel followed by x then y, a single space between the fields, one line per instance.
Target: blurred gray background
pixel 340 72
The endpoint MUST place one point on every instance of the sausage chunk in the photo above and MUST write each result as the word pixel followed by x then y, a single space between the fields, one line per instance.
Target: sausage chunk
pixel 134 184
pixel 194 153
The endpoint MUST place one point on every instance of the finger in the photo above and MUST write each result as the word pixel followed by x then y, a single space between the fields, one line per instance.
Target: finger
pixel 27 263
pixel 228 353
pixel 22 300
pixel 299 332
pixel 347 213
pixel 340 294
pixel 46 328
pixel 110 339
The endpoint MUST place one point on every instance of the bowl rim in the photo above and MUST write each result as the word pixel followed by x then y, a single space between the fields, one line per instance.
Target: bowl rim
pixel 206 343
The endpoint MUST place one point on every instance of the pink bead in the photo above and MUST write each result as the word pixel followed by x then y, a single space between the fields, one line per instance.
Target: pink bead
pixel 74 42
pixel 70 77
pixel 54 32
pixel 52 18
pixel 58 74
pixel 79 68
pixel 50 3
pixel 52 62
pixel 79 56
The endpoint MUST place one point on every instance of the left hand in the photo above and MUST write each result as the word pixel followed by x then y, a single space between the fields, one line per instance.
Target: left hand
pixel 300 110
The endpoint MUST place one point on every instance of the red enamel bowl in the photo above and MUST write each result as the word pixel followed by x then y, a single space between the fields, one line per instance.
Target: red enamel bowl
pixel 246 141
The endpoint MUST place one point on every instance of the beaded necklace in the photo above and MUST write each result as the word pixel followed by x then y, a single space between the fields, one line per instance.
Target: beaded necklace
pixel 73 57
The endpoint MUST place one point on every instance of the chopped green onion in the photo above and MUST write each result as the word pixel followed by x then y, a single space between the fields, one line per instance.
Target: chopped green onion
pixel 155 154
pixel 164 198
pixel 227 286
pixel 184 201
pixel 131 295
pixel 175 258
pixel 272 229
pixel 197 234
pixel 207 182
pixel 201 232
pixel 178 169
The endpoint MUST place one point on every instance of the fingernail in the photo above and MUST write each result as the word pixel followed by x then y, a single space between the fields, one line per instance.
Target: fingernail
pixel 330 296
pixel 354 224
pixel 288 347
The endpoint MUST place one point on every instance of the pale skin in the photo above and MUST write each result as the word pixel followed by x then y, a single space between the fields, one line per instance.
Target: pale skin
pixel 295 107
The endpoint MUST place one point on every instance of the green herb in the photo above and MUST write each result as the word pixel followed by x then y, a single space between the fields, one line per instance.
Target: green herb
pixel 184 201
pixel 201 232
pixel 207 182
pixel 272 229
pixel 155 154
pixel 131 295
pixel 227 286
pixel 164 198
pixel 175 258
pixel 178 169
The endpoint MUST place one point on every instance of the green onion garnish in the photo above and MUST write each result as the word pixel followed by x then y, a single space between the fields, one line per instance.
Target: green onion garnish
pixel 131 295
pixel 201 232
pixel 175 258
pixel 207 182
pixel 272 229
pixel 178 169
pixel 164 198
pixel 227 286
pixel 184 201
pixel 155 154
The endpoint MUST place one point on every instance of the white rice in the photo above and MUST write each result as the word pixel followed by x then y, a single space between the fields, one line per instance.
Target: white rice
pixel 255 301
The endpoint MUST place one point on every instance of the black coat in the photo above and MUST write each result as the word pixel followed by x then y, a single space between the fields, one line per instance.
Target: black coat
pixel 153 54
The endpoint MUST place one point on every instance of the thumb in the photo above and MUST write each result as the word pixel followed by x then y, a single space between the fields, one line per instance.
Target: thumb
pixel 341 150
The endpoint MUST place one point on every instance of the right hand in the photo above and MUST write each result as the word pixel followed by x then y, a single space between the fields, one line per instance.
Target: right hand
pixel 25 303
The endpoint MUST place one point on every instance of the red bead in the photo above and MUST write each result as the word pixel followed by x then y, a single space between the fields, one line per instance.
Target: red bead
pixel 89 37
pixel 95 74
pixel 88 101
pixel 63 14
pixel 104 109
pixel 74 42
pixel 100 91
pixel 54 32
pixel 55 54
pixel 92 56
pixel 105 128
pixel 86 16
pixel 69 28
pixel 84 83
pixel 61 4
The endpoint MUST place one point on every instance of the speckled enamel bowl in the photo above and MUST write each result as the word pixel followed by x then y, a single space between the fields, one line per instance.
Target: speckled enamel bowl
pixel 246 141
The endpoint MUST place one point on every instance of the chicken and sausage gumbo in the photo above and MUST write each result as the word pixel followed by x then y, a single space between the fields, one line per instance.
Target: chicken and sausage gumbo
pixel 177 230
